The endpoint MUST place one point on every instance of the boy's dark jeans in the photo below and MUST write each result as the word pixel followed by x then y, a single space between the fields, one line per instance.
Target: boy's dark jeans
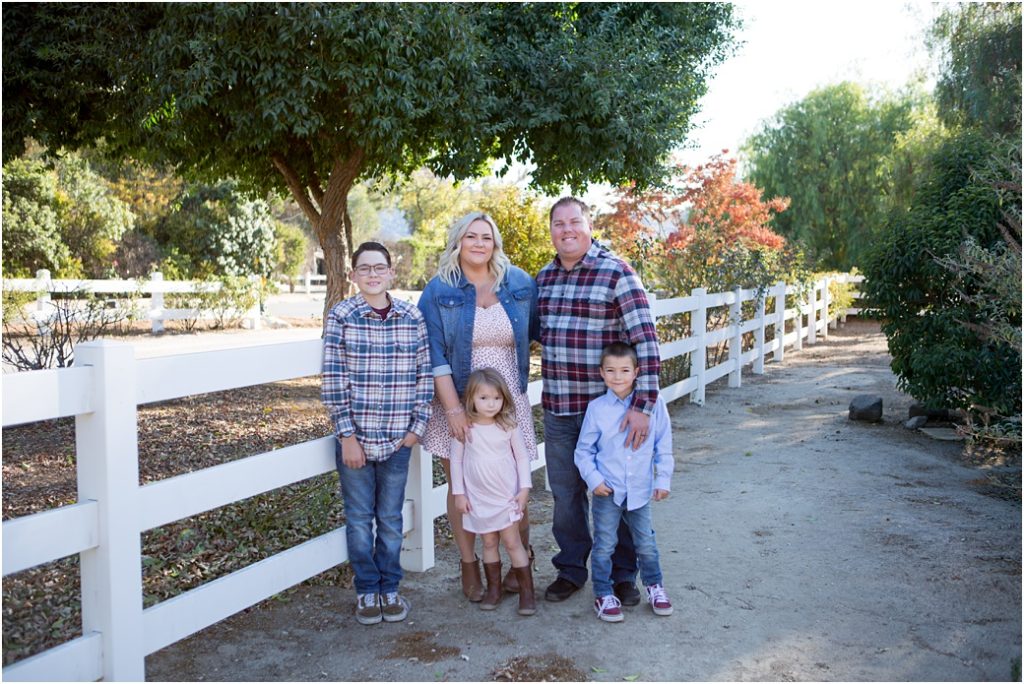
pixel 571 518
pixel 375 491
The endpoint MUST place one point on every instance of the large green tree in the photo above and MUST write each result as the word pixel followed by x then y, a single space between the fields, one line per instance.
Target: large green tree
pixel 312 97
pixel 978 49
pixel 827 153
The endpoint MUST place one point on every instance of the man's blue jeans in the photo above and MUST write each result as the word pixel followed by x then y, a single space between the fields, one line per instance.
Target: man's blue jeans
pixel 607 518
pixel 571 526
pixel 374 492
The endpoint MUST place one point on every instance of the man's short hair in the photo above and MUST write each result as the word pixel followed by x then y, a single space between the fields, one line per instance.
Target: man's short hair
pixel 370 247
pixel 570 200
pixel 620 350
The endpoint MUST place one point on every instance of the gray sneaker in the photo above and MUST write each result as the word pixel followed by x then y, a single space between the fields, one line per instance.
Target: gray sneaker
pixel 395 607
pixel 368 609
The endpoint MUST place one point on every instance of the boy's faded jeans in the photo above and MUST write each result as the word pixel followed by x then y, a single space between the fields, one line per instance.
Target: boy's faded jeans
pixel 374 492
pixel 570 526
pixel 607 517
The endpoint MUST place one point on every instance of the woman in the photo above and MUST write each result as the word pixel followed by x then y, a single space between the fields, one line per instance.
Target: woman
pixel 481 311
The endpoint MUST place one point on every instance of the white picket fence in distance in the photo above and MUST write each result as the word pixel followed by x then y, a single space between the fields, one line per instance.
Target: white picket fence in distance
pixel 103 391
pixel 155 287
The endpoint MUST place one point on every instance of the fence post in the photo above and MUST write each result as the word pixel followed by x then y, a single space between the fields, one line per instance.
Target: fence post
pixel 699 356
pixel 307 280
pixel 759 333
pixel 44 284
pixel 156 302
pixel 418 545
pixel 106 447
pixel 812 316
pixel 830 322
pixel 799 320
pixel 736 343
pixel 843 279
pixel 780 320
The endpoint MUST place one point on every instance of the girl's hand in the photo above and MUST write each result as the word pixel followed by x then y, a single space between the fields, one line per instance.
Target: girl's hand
pixel 660 494
pixel 459 427
pixel 522 498
pixel 603 490
pixel 462 503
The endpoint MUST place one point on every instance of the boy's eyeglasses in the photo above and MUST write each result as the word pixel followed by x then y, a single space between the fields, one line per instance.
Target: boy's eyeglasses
pixel 379 269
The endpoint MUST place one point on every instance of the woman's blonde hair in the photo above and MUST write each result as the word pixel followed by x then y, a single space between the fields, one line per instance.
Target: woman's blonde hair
pixel 448 267
pixel 506 417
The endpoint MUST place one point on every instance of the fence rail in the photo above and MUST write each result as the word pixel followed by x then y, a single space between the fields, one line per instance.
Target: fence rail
pixel 155 287
pixel 103 392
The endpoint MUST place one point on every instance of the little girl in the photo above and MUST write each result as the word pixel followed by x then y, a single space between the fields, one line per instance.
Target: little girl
pixel 491 483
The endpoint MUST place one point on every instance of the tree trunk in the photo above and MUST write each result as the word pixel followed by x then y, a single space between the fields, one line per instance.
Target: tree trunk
pixel 330 219
pixel 337 248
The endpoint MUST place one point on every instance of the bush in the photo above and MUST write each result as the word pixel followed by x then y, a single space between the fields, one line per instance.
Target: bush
pixel 290 247
pixel 929 317
pixel 67 320
pixel 215 231
pixel 31 234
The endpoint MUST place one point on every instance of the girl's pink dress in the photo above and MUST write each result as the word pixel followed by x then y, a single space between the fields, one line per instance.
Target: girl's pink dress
pixel 494 347
pixel 490 471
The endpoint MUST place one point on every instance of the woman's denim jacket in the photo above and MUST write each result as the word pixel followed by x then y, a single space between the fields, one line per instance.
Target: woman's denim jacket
pixel 450 311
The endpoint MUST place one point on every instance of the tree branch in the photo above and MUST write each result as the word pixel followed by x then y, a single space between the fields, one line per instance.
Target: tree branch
pixel 298 190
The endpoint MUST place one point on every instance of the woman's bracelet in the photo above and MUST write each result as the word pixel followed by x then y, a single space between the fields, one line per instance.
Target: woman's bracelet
pixel 455 411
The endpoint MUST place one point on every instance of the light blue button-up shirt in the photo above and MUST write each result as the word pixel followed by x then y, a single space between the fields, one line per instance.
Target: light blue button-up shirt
pixel 602 455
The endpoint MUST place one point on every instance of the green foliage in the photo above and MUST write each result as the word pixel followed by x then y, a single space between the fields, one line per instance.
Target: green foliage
pixel 431 205
pixel 94 219
pixel 840 298
pixel 827 153
pixel 930 317
pixel 32 208
pixel 599 91
pixel 523 224
pixel 65 218
pixel 231 300
pixel 216 230
pixel 978 47
pixel 290 247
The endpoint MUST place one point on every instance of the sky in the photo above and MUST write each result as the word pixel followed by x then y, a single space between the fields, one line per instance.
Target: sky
pixel 790 48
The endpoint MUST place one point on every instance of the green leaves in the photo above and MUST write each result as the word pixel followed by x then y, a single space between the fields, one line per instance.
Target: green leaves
pixel 929 289
pixel 828 153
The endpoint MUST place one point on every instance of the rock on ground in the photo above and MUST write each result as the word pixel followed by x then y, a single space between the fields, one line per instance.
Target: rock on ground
pixel 796 545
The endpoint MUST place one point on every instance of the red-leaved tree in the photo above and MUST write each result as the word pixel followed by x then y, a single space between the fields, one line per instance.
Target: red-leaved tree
pixel 729 209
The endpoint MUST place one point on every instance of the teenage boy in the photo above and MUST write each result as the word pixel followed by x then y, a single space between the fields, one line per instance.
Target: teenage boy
pixel 623 481
pixel 377 387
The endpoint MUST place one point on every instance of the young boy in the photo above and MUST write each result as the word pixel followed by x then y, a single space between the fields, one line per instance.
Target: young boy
pixel 377 387
pixel 623 481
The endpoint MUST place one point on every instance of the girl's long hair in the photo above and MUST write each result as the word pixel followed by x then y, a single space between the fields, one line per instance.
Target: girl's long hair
pixel 506 417
pixel 448 267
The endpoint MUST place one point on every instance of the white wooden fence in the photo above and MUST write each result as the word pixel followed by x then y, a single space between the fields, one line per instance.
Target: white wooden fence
pixel 107 384
pixel 156 287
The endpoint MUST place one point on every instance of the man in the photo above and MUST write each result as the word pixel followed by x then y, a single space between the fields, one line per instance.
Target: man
pixel 588 298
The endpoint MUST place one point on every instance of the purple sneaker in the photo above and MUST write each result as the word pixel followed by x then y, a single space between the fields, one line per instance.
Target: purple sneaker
pixel 608 608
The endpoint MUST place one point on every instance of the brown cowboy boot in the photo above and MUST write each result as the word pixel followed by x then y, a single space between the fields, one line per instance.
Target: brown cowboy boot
pixel 492 571
pixel 472 585
pixel 511 582
pixel 527 597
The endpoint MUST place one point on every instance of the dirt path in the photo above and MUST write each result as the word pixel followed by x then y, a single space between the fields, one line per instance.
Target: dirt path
pixel 796 546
